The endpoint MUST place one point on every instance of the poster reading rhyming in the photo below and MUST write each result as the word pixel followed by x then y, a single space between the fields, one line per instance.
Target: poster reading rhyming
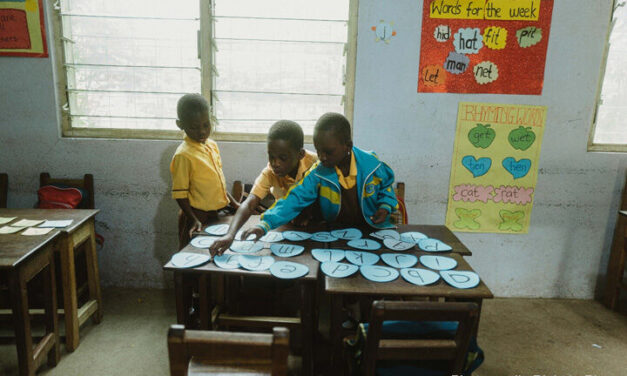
pixel 484 46
pixel 22 30
pixel 495 167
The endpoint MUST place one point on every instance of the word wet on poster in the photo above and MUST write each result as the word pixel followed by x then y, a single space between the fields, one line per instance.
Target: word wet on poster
pixel 495 167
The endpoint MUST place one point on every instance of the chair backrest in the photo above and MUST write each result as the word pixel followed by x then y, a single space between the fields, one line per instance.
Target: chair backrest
pixel 399 217
pixel 228 350
pixel 4 189
pixel 453 350
pixel 86 184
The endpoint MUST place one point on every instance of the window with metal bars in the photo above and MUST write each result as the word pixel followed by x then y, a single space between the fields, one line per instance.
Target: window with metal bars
pixel 123 65
pixel 609 130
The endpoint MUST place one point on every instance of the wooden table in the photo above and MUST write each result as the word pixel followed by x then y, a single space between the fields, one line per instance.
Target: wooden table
pixel 21 259
pixel 80 232
pixel 339 288
pixel 306 285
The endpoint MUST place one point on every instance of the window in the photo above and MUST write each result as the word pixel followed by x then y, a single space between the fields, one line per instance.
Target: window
pixel 609 129
pixel 123 65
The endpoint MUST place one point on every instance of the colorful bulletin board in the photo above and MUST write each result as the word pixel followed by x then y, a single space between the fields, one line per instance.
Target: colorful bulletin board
pixel 495 167
pixel 22 29
pixel 484 46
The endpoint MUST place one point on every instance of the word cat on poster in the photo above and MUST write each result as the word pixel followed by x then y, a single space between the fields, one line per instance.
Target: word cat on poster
pixel 484 46
pixel 495 167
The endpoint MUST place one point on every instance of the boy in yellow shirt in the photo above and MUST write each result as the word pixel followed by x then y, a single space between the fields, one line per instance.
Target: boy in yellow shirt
pixel 287 163
pixel 198 183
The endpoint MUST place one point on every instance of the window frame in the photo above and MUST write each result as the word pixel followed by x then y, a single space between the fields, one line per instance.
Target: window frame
pixel 597 147
pixel 207 82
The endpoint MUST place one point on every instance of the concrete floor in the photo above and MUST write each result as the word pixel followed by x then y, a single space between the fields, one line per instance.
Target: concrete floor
pixel 519 336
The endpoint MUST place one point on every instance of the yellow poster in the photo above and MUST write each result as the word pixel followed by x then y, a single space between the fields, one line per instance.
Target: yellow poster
pixel 495 167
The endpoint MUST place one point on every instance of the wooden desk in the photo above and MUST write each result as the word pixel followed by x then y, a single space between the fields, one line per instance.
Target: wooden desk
pixel 306 284
pixel 21 259
pixel 356 284
pixel 616 262
pixel 81 231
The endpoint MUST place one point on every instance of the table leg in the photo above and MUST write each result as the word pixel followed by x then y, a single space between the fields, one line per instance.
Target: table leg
pixel 336 334
pixel 21 322
pixel 70 300
pixel 203 303
pixel 50 313
pixel 93 275
pixel 179 293
pixel 307 326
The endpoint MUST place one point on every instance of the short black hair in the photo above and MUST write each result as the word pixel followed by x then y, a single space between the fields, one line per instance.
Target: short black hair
pixel 190 105
pixel 289 131
pixel 338 123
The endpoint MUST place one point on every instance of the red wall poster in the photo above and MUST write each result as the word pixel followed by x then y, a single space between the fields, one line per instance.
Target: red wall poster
pixel 485 46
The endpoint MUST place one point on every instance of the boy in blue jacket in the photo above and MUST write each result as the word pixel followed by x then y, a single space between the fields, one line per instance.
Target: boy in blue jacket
pixel 353 186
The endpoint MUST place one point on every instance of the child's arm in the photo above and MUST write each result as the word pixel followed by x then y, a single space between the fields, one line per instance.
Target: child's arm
pixel 298 197
pixel 386 197
pixel 245 210
pixel 187 210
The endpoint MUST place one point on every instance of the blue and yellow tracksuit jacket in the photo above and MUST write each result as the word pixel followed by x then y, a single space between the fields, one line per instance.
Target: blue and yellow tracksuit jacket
pixel 374 191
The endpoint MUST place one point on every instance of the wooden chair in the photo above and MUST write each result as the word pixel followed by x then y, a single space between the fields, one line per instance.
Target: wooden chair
pixel 451 352
pixel 399 217
pixel 196 352
pixel 4 189
pixel 86 184
pixel 616 263
pixel 78 275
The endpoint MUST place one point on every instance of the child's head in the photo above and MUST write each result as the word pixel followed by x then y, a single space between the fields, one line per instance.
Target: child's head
pixel 193 116
pixel 332 139
pixel 285 147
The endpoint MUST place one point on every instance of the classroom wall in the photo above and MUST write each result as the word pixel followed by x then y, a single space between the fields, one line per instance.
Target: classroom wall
pixel 563 255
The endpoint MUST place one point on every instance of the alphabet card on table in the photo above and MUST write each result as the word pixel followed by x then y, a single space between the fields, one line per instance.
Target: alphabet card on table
pixel 399 260
pixel 420 277
pixel 227 261
pixel 494 167
pixel 461 279
pixel 286 250
pixel 296 236
pixel 255 263
pixel 378 273
pixel 338 269
pixel 347 233
pixel 203 241
pixel 365 244
pixel 288 270
pixel 327 255
pixel 488 46
pixel 217 230
pixel 189 260
pixel 323 237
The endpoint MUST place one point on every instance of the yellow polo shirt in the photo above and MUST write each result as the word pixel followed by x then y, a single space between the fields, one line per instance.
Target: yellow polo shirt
pixel 349 181
pixel 268 182
pixel 196 170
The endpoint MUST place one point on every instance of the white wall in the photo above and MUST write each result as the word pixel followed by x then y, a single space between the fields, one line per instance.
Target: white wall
pixel 564 254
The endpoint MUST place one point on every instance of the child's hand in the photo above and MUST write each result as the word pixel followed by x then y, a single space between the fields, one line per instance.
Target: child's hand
pixel 220 245
pixel 197 227
pixel 379 216
pixel 256 231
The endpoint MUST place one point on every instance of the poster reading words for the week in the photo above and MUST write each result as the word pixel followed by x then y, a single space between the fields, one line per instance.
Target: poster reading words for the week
pixel 495 167
pixel 484 46
pixel 22 31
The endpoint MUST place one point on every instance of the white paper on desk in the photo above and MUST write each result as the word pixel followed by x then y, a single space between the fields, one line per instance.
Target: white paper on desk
pixel 60 223
pixel 4 220
pixel 36 231
pixel 10 229
pixel 27 222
